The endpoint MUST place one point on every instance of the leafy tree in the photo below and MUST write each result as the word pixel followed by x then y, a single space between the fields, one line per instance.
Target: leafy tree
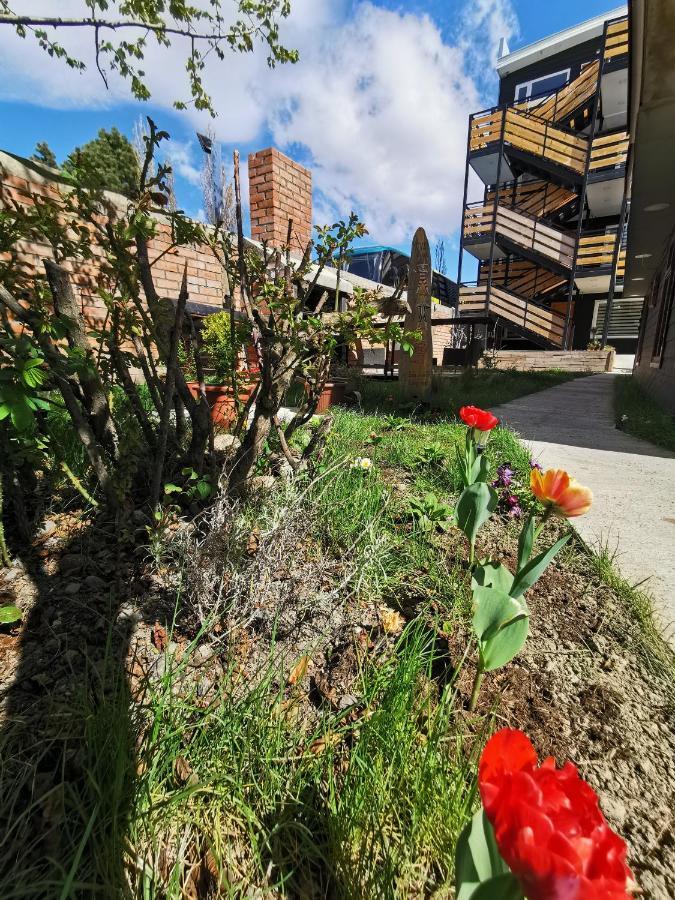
pixel 119 48
pixel 44 154
pixel 107 162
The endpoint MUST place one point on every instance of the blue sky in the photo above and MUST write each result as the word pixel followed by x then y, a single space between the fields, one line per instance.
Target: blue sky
pixel 377 107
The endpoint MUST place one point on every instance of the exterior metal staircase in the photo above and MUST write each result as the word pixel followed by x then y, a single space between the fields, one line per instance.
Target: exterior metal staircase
pixel 536 158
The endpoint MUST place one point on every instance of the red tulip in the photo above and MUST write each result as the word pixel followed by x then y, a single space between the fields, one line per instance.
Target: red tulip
pixel 548 825
pixel 556 489
pixel 478 418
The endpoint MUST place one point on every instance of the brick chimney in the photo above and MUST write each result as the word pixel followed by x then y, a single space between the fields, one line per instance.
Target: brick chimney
pixel 279 189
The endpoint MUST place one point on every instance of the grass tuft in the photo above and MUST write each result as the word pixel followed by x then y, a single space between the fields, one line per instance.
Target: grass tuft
pixel 645 417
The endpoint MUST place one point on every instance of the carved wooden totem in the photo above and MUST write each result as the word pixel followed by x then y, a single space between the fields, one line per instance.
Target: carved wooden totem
pixel 415 371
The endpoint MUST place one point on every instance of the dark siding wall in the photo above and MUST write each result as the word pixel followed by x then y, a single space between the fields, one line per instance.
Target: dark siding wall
pixel 573 59
pixel 657 375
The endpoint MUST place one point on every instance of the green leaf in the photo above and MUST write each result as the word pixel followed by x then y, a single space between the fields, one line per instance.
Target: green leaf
pixel 525 542
pixel 172 489
pixel 480 872
pixel 501 624
pixel 9 614
pixel 204 490
pixel 501 887
pixel 476 504
pixel 492 574
pixel 527 576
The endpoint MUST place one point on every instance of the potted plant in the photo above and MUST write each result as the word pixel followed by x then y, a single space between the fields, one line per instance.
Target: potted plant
pixel 330 387
pixel 221 356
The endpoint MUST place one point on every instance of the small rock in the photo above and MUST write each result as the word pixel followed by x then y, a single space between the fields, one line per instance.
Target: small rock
pixel 70 564
pixel 347 700
pixel 11 574
pixel 202 655
pixel 94 583
pixel 48 527
pixel 159 666
pixel 72 588
pixel 261 483
pixel 226 442
pixel 615 809
pixel 204 686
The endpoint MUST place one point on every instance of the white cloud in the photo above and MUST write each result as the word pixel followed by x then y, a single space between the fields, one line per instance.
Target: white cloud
pixel 180 155
pixel 378 104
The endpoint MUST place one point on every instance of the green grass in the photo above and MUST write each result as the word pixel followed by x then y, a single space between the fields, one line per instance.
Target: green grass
pixel 362 805
pixel 484 388
pixel 645 417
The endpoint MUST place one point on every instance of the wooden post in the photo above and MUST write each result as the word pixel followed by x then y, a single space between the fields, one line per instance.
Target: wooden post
pixel 415 371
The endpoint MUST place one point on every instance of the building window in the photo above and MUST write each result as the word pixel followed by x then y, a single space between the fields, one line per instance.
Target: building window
pixel 544 85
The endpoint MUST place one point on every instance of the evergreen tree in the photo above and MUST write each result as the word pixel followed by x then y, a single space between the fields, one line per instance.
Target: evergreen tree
pixel 109 161
pixel 44 154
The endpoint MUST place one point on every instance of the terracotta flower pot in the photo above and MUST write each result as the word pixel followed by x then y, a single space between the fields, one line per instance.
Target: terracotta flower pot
pixel 220 398
pixel 334 392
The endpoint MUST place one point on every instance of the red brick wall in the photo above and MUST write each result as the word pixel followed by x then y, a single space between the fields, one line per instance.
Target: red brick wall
pixel 280 189
pixel 21 182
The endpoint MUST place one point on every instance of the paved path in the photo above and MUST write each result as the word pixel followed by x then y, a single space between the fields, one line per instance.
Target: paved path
pixel 572 427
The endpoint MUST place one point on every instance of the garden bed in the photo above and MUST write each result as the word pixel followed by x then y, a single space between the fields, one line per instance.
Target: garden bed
pixel 270 705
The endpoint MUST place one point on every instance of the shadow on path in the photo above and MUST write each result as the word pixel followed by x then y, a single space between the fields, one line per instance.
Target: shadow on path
pixel 578 413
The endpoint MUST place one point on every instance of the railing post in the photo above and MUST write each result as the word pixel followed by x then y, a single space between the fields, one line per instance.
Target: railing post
pixel 494 221
pixel 615 262
pixel 461 233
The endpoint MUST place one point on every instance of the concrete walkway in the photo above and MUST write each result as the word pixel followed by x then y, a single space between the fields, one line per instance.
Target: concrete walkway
pixel 572 427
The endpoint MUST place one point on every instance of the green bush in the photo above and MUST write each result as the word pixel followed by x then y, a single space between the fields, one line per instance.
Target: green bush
pixel 217 342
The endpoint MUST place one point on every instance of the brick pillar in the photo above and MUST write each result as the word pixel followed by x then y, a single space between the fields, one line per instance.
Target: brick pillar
pixel 280 189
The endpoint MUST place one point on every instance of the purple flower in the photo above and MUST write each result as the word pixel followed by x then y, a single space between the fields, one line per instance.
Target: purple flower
pixel 535 465
pixel 515 512
pixel 504 476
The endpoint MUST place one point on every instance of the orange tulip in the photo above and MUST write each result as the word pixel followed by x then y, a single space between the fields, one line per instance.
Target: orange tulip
pixel 561 493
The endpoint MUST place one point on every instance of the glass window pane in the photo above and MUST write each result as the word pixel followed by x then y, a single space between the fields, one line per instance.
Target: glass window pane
pixel 549 83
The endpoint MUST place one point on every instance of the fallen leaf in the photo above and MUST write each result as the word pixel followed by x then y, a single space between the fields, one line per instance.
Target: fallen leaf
pixel 392 622
pixel 320 745
pixel 299 669
pixel 158 637
pixel 253 542
pixel 183 772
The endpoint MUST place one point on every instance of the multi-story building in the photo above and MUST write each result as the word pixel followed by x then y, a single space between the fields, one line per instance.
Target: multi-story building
pixel 650 263
pixel 548 232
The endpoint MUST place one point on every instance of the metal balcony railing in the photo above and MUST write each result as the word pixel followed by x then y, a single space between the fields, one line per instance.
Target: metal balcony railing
pixel 616 43
pixel 528 232
pixel 506 305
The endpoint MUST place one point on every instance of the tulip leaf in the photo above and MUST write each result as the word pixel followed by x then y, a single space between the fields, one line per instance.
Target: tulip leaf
pixel 474 507
pixel 480 872
pixel 528 575
pixel 492 574
pixel 501 887
pixel 501 624
pixel 525 542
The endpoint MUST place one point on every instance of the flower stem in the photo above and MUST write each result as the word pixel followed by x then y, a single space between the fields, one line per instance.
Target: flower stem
pixel 478 680
pixel 544 519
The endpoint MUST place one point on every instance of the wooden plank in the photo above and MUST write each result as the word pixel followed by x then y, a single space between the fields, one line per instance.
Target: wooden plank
pixel 609 138
pixel 618 26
